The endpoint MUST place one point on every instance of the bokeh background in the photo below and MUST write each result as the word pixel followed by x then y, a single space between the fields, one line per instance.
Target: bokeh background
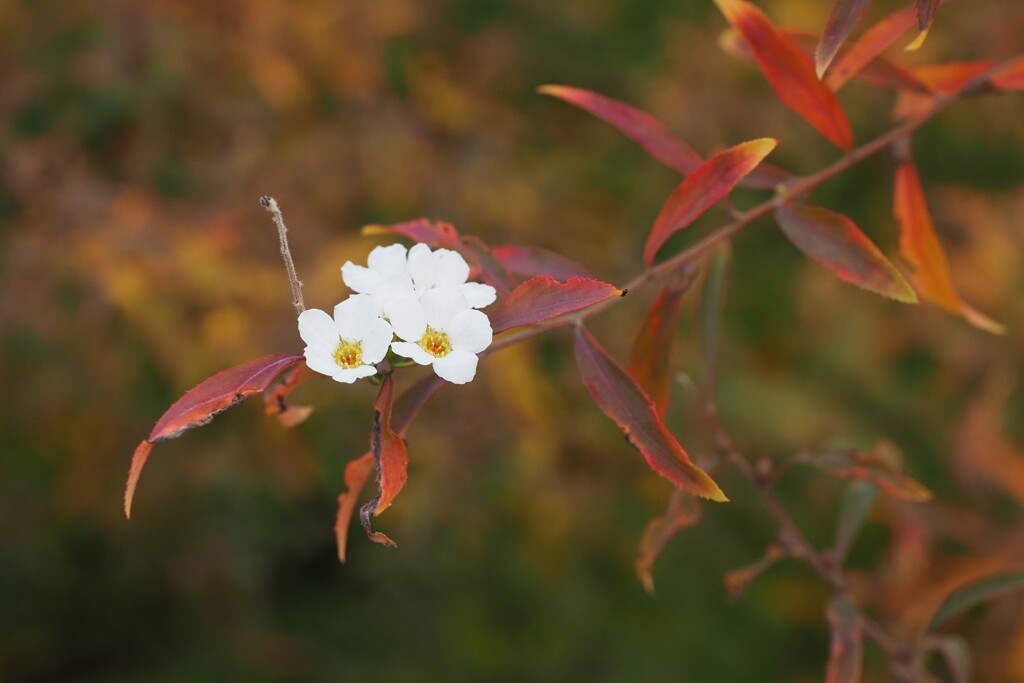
pixel 135 139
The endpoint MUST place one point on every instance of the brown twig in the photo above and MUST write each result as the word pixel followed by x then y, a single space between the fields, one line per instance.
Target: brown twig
pixel 270 204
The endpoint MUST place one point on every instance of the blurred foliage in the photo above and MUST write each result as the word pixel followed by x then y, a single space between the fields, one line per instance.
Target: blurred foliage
pixel 135 261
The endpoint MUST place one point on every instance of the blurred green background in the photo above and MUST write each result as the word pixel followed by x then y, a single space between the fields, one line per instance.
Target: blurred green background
pixel 135 260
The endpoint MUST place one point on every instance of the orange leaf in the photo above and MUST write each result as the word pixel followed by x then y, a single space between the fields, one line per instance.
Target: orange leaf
pixel 1011 76
pixel 790 72
pixel 622 399
pixel 922 249
pixel 275 398
pixel 640 127
pixel 952 77
pixel 870 45
pixel 533 261
pixel 543 297
pixel 846 651
pixel 202 403
pixel 357 472
pixel 683 511
pixel 704 188
pixel 393 458
pixel 836 242
pixel 651 362
pixel 883 467
pixel 841 19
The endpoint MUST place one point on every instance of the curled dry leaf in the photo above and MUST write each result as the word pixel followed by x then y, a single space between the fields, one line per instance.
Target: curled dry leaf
pixel 534 261
pixel 639 126
pixel 920 246
pixel 622 399
pixel 393 459
pixel 683 511
pixel 836 242
pixel 883 466
pixel 705 187
pixel 790 72
pixel 846 648
pixel 651 362
pixel 202 403
pixel 357 473
pixel 739 580
pixel 841 19
pixel 543 297
pixel 275 398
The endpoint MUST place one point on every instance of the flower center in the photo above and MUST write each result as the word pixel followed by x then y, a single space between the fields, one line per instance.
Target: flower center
pixel 436 343
pixel 349 354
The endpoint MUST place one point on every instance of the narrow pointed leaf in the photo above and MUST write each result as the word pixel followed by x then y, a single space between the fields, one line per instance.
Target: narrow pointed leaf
pixel 622 400
pixel 882 467
pixel 975 593
pixel 1010 77
pixel 870 45
pixel 790 72
pixel 275 399
pixel 683 511
pixel 638 126
pixel 926 13
pixel 651 362
pixel 394 458
pixel 836 242
pixel 921 248
pixel 704 188
pixel 854 509
pixel 952 77
pixel 841 19
pixel 202 403
pixel 846 650
pixel 543 297
pixel 357 473
pixel 712 307
pixel 534 261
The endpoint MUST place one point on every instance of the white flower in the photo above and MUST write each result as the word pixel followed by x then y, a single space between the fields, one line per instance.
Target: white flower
pixel 348 346
pixel 446 268
pixel 441 329
pixel 385 278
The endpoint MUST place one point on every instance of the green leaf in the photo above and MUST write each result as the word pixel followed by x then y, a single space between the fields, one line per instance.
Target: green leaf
pixel 975 593
pixel 856 504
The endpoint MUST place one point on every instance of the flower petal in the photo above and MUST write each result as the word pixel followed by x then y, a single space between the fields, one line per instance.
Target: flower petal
pixel 458 367
pixel 478 295
pixel 413 351
pixel 376 341
pixel 350 375
pixel 470 331
pixel 388 261
pixel 441 304
pixel 321 361
pixel 452 269
pixel 354 315
pixel 318 330
pixel 408 319
pixel 422 266
pixel 359 278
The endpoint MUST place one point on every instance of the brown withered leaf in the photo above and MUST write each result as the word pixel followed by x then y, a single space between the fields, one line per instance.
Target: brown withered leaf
pixel 275 398
pixel 883 466
pixel 683 511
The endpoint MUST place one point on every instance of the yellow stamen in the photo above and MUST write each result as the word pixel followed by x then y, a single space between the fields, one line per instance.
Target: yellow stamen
pixel 436 343
pixel 349 354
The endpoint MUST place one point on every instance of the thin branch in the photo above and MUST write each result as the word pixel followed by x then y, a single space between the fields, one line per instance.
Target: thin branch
pixel 270 204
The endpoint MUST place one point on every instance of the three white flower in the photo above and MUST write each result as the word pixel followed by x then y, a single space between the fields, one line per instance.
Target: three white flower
pixel 422 296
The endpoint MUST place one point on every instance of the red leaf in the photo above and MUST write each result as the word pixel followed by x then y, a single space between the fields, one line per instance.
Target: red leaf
pixel 621 399
pixel 357 472
pixel 543 297
pixel 638 126
pixel 533 261
pixel 683 511
pixel 438 234
pixel 790 72
pixel 834 241
pixel 953 77
pixel 888 74
pixel 921 247
pixel 704 188
pixel 202 403
pixel 926 13
pixel 1011 76
pixel 275 398
pixel 870 45
pixel 846 651
pixel 394 458
pixel 883 467
pixel 651 363
pixel 844 16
